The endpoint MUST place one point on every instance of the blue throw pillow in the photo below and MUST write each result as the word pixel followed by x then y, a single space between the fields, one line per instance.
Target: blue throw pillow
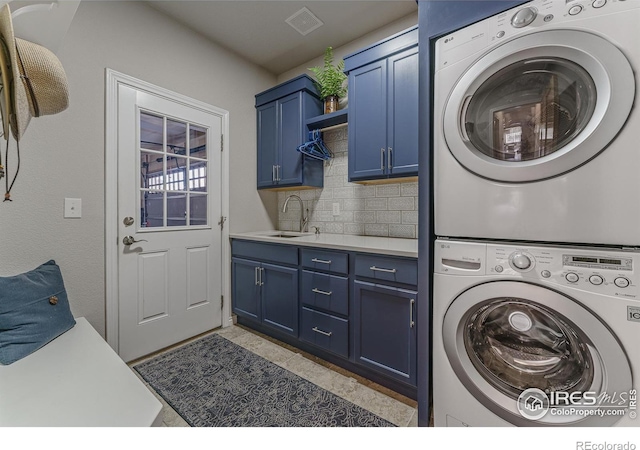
pixel 34 310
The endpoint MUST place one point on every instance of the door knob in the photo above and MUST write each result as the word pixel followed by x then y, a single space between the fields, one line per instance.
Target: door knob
pixel 128 240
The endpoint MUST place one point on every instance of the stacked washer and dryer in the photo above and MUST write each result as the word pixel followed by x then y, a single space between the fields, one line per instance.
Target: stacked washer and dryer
pixel 537 216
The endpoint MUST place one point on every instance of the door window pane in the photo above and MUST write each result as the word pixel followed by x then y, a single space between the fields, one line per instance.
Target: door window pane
pixel 168 172
pixel 151 170
pixel 176 209
pixel 198 141
pixel 151 209
pixel 530 109
pixel 517 344
pixel 198 209
pixel 151 131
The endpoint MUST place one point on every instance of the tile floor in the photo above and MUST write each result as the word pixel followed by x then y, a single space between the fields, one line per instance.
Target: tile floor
pixel 389 405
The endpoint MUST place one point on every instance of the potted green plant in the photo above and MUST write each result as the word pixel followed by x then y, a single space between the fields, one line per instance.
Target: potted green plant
pixel 330 81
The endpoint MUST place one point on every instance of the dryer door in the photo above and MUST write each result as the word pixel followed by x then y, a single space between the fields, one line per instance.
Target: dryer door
pixel 504 337
pixel 539 106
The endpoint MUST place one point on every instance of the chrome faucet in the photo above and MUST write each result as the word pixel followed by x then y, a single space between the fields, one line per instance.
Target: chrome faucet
pixel 303 220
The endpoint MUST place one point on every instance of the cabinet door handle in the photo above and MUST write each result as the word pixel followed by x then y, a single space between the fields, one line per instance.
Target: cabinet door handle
pixel 261 274
pixel 411 321
pixel 380 269
pixel 278 173
pixel 255 273
pixel 389 159
pixel 318 291
pixel 322 332
pixel 321 261
pixel 382 159
pixel 273 173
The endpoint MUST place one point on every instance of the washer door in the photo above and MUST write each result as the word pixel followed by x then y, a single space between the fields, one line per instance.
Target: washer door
pixel 539 106
pixel 503 337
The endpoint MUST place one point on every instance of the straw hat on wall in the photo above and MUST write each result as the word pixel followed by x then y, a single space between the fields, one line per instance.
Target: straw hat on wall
pixel 33 78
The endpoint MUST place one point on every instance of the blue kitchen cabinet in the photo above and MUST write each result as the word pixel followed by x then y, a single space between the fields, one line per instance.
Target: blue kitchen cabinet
pixel 266 291
pixel 282 112
pixel 280 297
pixel 383 109
pixel 384 315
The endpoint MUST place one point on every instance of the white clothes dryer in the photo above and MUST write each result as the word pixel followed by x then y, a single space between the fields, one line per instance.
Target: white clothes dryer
pixel 535 132
pixel 513 320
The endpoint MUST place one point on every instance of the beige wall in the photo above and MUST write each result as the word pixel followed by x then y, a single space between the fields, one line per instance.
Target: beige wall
pixel 63 155
pixel 353 46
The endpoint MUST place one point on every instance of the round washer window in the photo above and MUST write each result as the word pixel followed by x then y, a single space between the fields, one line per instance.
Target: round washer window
pixel 517 344
pixel 530 109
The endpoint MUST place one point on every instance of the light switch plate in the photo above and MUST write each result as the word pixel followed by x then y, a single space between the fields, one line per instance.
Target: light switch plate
pixel 72 208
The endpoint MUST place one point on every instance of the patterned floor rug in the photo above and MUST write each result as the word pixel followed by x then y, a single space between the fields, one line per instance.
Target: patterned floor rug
pixel 213 382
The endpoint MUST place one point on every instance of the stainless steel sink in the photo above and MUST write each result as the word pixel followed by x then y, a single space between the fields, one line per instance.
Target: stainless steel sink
pixel 285 234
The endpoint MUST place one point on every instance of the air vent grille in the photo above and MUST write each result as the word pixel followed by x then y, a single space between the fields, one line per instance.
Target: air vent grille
pixel 304 21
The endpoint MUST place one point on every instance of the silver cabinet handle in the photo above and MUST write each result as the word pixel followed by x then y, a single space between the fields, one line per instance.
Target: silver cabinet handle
pixel 318 291
pixel 322 332
pixel 389 163
pixel 321 261
pixel 380 269
pixel 411 321
pixel 273 173
pixel 277 173
pixel 382 159
pixel 261 274
pixel 255 273
pixel 128 240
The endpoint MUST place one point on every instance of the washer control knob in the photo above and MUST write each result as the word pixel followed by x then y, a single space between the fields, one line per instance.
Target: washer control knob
pixel 520 261
pixel 621 282
pixel 545 274
pixel 577 9
pixel 524 17
pixel 499 268
pixel 599 3
pixel 596 279
pixel 572 277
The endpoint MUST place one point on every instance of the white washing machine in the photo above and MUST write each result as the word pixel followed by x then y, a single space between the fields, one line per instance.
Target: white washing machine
pixel 562 322
pixel 535 133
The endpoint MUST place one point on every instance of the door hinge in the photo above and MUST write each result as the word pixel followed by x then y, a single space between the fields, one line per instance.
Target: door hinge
pixel 221 222
pixel 222 142
pixel 221 301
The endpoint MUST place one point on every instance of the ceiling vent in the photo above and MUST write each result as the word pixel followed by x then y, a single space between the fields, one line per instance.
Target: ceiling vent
pixel 304 21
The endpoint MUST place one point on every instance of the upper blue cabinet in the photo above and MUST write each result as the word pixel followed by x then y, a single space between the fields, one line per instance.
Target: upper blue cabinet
pixel 282 112
pixel 383 109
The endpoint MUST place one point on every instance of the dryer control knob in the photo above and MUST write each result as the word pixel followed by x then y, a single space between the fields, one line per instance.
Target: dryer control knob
pixel 621 282
pixel 520 261
pixel 572 277
pixel 524 17
pixel 596 279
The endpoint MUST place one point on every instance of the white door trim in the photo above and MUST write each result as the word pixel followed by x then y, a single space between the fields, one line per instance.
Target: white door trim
pixel 111 243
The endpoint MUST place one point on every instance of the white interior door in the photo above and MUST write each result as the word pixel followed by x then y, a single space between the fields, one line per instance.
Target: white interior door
pixel 169 203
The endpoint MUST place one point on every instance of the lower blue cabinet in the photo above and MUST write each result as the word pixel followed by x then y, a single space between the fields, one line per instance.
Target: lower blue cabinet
pixel 326 331
pixel 266 292
pixel 385 329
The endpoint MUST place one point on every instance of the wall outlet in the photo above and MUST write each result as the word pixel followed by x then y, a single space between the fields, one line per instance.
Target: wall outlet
pixel 336 209
pixel 72 208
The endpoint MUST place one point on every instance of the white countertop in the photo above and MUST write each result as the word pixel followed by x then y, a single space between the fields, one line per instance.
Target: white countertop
pixel 367 244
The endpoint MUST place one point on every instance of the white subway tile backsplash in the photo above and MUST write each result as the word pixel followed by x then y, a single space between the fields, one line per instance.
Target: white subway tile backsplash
pixel 371 210
pixel 388 190
pixel 401 204
pixel 375 204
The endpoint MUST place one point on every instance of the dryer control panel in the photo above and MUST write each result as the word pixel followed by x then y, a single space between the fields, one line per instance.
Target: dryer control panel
pixel 534 16
pixel 604 271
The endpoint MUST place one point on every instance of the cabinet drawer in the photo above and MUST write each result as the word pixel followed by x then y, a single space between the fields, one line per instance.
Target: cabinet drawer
pixel 287 254
pixel 325 291
pixel 324 260
pixel 329 332
pixel 387 268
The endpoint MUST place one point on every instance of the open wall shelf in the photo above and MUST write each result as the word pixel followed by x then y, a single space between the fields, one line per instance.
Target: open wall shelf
pixel 327 120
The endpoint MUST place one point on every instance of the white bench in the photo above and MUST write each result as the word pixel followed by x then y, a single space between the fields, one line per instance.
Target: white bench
pixel 75 380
